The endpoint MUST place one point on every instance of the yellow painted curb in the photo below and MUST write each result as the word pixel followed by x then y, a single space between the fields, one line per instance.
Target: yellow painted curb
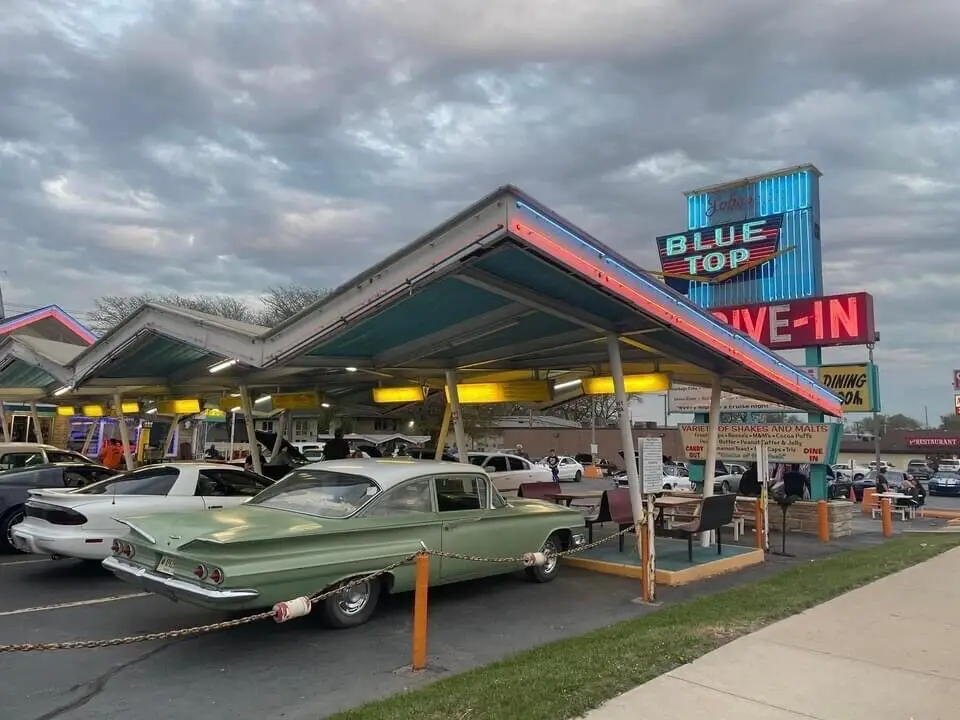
pixel 672 578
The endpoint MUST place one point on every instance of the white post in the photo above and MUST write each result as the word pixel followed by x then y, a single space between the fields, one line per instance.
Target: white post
pixel 281 428
pixel 35 419
pixel 174 423
pixel 247 404
pixel 626 434
pixel 713 432
pixel 766 499
pixel 88 438
pixel 457 417
pixel 3 423
pixel 124 431
pixel 233 429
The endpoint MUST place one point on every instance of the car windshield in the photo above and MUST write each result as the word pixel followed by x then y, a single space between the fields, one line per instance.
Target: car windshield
pixel 322 493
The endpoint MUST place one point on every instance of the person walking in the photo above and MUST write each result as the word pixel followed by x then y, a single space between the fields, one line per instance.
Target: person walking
pixel 553 462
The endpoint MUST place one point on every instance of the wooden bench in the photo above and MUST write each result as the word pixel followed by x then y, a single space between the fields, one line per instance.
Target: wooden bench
pixel 614 507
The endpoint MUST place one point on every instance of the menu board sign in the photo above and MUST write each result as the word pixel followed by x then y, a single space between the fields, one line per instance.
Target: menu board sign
pixel 651 463
pixel 800 443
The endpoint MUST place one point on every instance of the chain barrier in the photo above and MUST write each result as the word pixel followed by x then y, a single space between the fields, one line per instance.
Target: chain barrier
pixel 298 607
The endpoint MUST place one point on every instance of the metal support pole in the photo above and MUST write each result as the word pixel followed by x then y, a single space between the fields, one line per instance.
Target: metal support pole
pixel 35 419
pixel 626 432
pixel 281 428
pixel 444 431
pixel 124 431
pixel 457 417
pixel 3 423
pixel 233 430
pixel 171 433
pixel 876 421
pixel 713 434
pixel 246 403
pixel 88 438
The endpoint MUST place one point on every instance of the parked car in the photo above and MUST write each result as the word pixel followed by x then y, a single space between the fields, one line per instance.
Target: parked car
pixel 80 523
pixel 429 454
pixel 675 477
pixel 948 465
pixel 944 483
pixel 851 471
pixel 838 485
pixel 919 469
pixel 21 454
pixel 569 470
pixel 16 484
pixel 509 472
pixel 329 523
pixel 895 480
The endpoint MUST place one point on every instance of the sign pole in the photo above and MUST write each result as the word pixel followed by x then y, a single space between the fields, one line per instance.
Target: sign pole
pixel 876 424
pixel 818 472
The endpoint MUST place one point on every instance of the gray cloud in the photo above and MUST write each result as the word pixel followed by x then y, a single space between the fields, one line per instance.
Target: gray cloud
pixel 223 146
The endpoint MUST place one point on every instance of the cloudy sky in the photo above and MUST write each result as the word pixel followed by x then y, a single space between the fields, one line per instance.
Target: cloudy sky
pixel 210 146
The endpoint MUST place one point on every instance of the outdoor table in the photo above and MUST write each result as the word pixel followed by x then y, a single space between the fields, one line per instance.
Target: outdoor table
pixel 894 496
pixel 568 497
pixel 672 501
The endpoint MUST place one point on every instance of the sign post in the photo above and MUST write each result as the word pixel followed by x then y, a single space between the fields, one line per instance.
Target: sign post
pixel 651 478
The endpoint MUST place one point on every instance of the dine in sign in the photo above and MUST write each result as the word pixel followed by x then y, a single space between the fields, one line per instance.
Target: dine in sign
pixel 715 253
pixel 798 443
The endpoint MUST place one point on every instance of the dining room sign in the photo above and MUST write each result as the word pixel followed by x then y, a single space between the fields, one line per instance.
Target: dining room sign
pixel 800 443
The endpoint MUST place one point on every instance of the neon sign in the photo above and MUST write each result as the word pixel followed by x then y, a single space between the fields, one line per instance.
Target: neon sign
pixel 720 252
pixel 736 205
pixel 810 322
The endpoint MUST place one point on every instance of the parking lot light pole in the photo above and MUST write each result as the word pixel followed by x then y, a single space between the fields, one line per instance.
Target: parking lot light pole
pixel 124 430
pixel 713 435
pixel 246 405
pixel 457 417
pixel 626 432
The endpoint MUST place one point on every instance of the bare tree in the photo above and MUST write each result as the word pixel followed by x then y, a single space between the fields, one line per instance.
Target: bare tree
pixel 285 301
pixel 279 303
pixel 600 409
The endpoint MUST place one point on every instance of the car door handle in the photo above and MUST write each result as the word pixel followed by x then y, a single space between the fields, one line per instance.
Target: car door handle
pixel 214 507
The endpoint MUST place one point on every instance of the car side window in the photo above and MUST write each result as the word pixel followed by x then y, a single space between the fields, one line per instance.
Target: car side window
pixel 496 463
pixel 10 461
pixel 229 483
pixel 516 463
pixel 413 497
pixel 58 456
pixel 461 492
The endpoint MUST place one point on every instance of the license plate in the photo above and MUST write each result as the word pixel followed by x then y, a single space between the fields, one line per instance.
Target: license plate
pixel 166 565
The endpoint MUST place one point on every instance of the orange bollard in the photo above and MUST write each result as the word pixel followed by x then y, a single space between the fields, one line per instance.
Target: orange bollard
pixel 886 517
pixel 867 504
pixel 644 560
pixel 420 612
pixel 758 519
pixel 823 521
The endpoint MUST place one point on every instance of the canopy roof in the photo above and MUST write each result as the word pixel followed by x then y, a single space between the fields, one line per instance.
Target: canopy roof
pixel 505 289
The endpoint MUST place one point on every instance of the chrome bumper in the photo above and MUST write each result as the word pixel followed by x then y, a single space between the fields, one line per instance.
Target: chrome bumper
pixel 174 589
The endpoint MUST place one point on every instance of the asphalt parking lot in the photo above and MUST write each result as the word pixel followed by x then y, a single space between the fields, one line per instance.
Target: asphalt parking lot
pixel 295 671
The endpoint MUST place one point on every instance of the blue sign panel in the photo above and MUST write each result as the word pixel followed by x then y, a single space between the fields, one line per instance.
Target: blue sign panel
pixel 795 271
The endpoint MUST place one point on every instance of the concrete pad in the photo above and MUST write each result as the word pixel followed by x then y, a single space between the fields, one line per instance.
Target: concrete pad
pixel 822 686
pixel 668 698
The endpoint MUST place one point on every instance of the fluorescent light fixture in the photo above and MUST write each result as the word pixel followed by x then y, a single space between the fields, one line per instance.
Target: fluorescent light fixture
pixel 324 405
pixel 412 393
pixel 66 411
pixel 62 391
pixel 350 369
pixel 568 384
pixel 234 394
pixel 223 365
pixel 152 411
pixel 236 409
pixel 262 399
pixel 635 384
pixel 130 407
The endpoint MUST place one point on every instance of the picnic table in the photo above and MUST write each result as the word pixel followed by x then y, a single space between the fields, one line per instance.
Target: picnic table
pixel 568 496
pixel 673 502
pixel 904 511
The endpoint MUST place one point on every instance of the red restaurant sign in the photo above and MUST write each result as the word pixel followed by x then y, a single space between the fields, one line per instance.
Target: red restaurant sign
pixel 934 442
pixel 808 322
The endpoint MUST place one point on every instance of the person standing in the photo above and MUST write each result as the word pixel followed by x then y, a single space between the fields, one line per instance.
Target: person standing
pixel 338 448
pixel 553 462
pixel 111 455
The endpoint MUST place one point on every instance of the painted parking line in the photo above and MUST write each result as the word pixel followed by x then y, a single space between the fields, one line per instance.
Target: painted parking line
pixel 78 603
pixel 24 562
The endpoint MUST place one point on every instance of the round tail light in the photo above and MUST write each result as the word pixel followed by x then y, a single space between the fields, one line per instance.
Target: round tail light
pixel 115 547
pixel 127 550
pixel 200 572
pixel 216 576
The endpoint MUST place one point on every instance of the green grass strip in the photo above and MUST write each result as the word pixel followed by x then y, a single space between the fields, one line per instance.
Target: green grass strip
pixel 564 679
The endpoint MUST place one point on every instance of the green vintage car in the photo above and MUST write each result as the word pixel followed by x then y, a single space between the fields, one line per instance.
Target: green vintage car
pixel 329 522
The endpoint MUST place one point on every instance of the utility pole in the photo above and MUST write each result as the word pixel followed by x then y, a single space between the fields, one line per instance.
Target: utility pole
pixel 876 421
pixel 3 314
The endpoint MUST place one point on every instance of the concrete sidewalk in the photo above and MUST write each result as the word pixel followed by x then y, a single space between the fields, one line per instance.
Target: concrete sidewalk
pixel 886 651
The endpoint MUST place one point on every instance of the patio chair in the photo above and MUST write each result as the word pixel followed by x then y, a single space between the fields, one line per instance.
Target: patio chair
pixel 715 512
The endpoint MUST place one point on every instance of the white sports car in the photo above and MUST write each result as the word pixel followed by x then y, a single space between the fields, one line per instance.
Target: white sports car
pixel 81 523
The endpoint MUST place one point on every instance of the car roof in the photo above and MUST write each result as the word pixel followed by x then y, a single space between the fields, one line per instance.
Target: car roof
pixel 388 472
pixel 28 446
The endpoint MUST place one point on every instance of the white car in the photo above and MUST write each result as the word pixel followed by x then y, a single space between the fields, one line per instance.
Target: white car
pixel 509 472
pixel 851 471
pixel 948 465
pixel 569 470
pixel 15 455
pixel 82 523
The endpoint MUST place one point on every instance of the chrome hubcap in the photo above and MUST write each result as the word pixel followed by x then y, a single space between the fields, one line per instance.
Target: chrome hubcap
pixel 550 550
pixel 17 518
pixel 355 599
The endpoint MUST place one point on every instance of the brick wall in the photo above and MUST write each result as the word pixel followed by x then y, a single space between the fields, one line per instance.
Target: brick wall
pixel 802 517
